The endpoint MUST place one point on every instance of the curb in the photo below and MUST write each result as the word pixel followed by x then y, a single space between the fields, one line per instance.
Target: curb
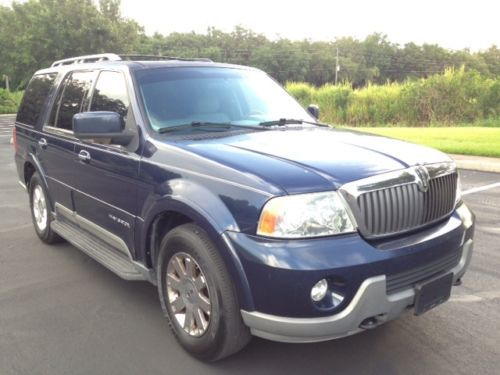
pixel 477 163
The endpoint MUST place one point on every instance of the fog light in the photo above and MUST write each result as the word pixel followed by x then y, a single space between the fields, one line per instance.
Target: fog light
pixel 318 291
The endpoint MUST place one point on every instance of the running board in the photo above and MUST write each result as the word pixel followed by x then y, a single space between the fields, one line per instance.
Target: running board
pixel 103 253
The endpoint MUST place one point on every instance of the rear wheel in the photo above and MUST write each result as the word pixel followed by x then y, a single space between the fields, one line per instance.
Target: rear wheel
pixel 41 214
pixel 197 295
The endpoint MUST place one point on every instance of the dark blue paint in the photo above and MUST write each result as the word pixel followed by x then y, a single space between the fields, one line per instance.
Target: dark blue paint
pixel 222 184
pixel 281 273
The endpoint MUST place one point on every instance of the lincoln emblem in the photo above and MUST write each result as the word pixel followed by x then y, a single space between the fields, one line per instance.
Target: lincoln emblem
pixel 422 178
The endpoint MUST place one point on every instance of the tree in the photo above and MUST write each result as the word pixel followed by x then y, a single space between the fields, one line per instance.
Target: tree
pixel 35 33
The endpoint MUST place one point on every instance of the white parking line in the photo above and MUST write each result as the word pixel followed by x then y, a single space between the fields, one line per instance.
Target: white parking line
pixel 481 296
pixel 481 188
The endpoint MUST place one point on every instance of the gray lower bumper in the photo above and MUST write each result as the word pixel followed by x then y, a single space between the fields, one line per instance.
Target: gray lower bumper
pixel 371 300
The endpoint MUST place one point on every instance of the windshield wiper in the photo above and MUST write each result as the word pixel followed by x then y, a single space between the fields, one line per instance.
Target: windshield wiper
pixel 291 121
pixel 199 124
pixel 195 124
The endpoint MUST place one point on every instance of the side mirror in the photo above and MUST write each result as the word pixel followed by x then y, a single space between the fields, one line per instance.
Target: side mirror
pixel 101 125
pixel 313 109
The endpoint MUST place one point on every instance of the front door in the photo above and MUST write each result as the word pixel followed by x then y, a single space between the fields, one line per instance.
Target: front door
pixel 105 191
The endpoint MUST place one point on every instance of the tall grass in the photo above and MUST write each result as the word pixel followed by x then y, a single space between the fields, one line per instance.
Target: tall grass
pixel 452 98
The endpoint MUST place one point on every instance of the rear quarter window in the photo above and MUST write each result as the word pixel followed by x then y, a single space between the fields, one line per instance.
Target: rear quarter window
pixel 34 98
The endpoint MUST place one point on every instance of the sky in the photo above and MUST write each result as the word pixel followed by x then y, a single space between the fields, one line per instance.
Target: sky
pixel 453 24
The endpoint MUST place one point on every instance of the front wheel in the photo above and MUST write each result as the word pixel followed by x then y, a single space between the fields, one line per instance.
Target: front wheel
pixel 197 295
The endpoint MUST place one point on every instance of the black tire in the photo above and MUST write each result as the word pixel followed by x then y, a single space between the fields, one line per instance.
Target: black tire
pixel 45 233
pixel 226 334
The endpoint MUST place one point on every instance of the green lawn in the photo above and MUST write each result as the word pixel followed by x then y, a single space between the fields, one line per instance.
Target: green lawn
pixel 481 141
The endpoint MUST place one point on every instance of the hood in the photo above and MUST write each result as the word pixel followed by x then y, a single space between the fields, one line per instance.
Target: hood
pixel 304 159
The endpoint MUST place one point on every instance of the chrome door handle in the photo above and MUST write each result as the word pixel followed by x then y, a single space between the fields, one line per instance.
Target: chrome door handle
pixel 84 155
pixel 42 142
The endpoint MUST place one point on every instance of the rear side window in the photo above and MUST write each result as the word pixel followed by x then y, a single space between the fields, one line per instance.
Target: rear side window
pixel 110 93
pixel 71 99
pixel 34 98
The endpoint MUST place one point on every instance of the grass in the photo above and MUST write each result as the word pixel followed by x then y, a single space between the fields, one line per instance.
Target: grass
pixel 479 141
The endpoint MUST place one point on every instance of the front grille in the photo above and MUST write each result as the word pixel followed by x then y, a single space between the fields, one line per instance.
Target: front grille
pixel 409 278
pixel 397 209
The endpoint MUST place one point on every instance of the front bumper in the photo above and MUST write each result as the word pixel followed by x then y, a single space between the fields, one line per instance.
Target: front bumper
pixel 370 301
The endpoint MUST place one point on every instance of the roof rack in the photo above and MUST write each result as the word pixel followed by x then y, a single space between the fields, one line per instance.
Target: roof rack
pixel 114 57
pixel 154 58
pixel 87 59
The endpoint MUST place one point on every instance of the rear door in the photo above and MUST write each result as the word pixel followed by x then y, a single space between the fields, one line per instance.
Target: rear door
pixel 29 118
pixel 57 143
pixel 106 188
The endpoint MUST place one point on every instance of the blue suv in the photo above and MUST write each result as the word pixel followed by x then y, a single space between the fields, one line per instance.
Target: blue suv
pixel 250 216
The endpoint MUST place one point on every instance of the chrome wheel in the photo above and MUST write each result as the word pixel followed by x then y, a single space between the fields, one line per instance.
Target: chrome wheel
pixel 188 294
pixel 39 208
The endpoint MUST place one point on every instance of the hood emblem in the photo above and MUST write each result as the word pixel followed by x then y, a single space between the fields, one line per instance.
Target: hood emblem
pixel 422 178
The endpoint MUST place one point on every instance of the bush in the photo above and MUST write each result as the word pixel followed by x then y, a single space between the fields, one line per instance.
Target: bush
pixel 455 97
pixel 9 101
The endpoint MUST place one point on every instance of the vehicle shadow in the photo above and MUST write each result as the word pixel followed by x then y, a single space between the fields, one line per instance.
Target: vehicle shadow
pixel 130 311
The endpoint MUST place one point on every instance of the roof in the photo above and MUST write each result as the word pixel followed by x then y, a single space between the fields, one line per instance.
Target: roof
pixel 133 62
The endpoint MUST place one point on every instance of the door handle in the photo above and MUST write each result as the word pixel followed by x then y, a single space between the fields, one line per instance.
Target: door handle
pixel 84 156
pixel 42 142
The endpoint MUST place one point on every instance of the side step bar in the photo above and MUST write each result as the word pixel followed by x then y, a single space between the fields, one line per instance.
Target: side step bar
pixel 103 253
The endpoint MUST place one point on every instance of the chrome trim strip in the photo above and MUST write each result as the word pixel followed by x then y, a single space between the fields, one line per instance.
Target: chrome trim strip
pixel 396 178
pixel 58 131
pixel 94 229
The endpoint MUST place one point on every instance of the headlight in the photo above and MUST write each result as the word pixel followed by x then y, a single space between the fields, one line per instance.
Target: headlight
pixel 305 215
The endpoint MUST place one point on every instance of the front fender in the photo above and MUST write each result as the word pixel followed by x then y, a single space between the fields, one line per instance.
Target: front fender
pixel 206 210
pixel 190 199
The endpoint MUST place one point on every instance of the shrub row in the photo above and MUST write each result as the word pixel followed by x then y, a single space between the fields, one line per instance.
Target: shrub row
pixel 9 101
pixel 455 97
pixel 452 98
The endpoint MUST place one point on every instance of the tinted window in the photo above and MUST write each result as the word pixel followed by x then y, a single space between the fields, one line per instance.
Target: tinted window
pixel 71 99
pixel 110 93
pixel 34 98
pixel 180 96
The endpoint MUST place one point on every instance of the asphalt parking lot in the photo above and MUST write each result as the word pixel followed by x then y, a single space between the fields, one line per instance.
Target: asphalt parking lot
pixel 63 313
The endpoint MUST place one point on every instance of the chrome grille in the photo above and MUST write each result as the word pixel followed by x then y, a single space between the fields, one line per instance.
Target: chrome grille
pixel 399 202
pixel 402 208
pixel 404 280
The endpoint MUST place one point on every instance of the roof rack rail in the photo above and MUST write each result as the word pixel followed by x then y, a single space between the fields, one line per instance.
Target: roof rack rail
pixel 87 59
pixel 114 57
pixel 154 57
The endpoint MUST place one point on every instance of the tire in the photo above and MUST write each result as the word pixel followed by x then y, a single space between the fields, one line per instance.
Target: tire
pixel 41 214
pixel 196 272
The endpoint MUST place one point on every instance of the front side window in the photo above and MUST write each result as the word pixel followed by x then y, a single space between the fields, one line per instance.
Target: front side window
pixel 71 99
pixel 177 96
pixel 34 98
pixel 110 93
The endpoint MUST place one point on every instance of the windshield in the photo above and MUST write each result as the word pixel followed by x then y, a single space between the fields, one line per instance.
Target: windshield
pixel 180 96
